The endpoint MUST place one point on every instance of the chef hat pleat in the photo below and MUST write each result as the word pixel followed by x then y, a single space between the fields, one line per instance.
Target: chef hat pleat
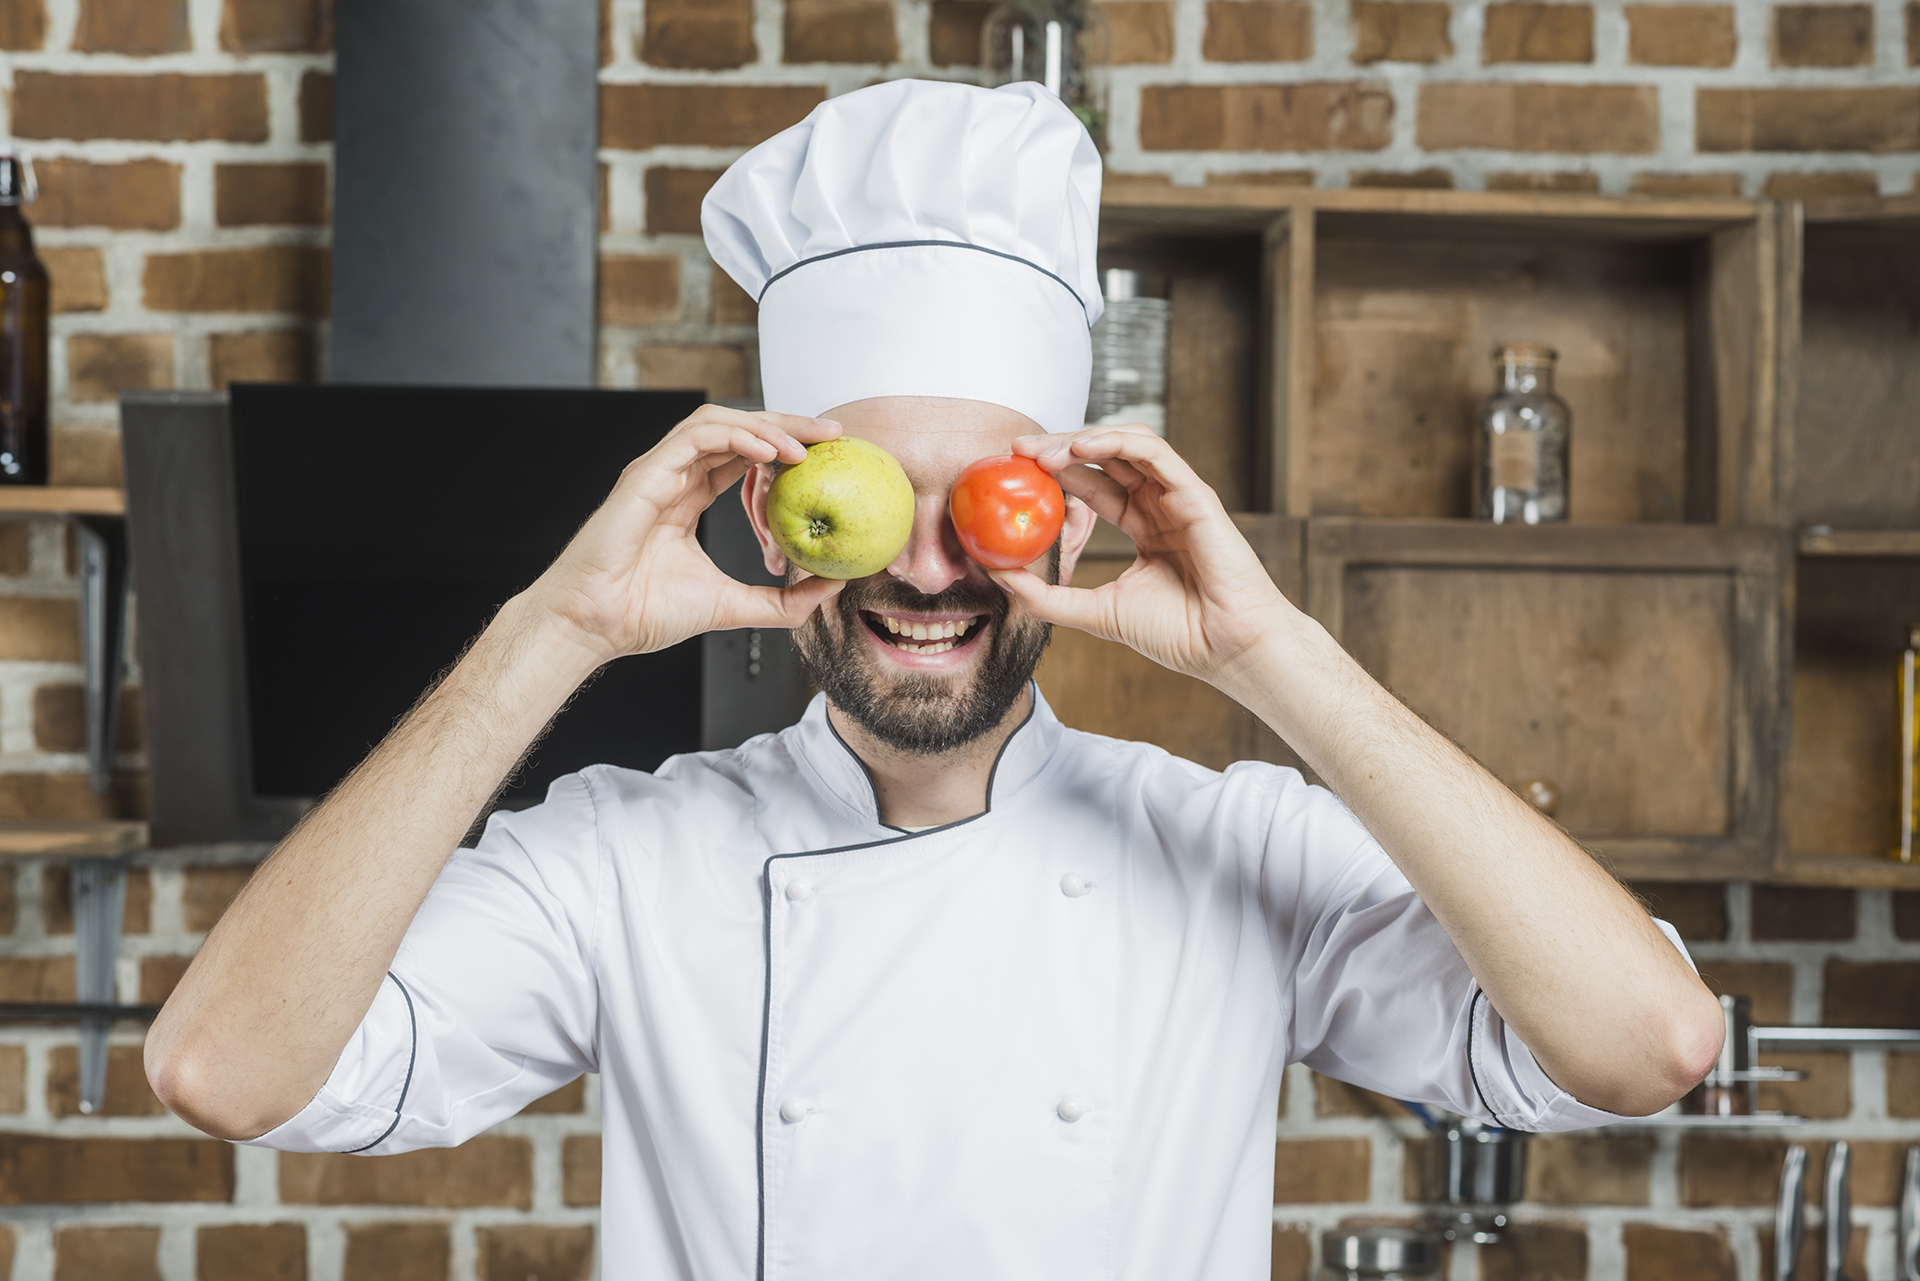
pixel 917 238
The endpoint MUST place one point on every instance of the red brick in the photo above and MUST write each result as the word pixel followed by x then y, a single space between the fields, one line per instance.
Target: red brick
pixel 251 1252
pixel 1311 116
pixel 1811 1249
pixel 1264 178
pixel 580 1170
pixel 277 26
pixel 13 1084
pixel 260 356
pixel 1675 1254
pixel 1685 184
pixel 702 35
pixel 1338 1098
pixel 36 978
pixel 127 1093
pixel 156 108
pixel 101 366
pixel 106 1254
pixel 1566 181
pixel 840 31
pixel 1542 1252
pixel 1768 985
pixel 1815 186
pixel 37 629
pixel 1404 179
pixel 535 1252
pixel 16 547
pixel 1396 31
pixel 84 454
pixel 1320 1171
pixel 1822 35
pixel 673 199
pixel 264 195
pixel 639 289
pixel 569 1099
pixel 79 277
pixel 1292 1255
pixel 1870 993
pixel 132 26
pixel 60 724
pixel 1826 1094
pixel 56 900
pixel 635 117
pixel 1903 1085
pixel 1876 120
pixel 1258 31
pixel 732 305
pixel 70 796
pixel 1697 909
pixel 1794 913
pixel 1540 117
pixel 1596 1168
pixel 1906 915
pixel 1913 33
pixel 1681 35
pixel 37 1169
pixel 488 1170
pixel 1527 32
pixel 1718 1170
pixel 139 195
pixel 23 26
pixel 719 372
pixel 316 106
pixel 159 975
pixel 209 890
pixel 264 278
pixel 1140 31
pixel 9 906
pixel 953 31
pixel 397 1251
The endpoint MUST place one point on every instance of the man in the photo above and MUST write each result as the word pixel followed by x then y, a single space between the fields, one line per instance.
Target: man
pixel 927 985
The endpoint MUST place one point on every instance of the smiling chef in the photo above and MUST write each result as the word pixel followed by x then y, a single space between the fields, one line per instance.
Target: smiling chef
pixel 928 985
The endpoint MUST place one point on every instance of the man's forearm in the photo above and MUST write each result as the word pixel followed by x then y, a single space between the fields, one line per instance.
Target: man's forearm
pixel 1571 962
pixel 257 1023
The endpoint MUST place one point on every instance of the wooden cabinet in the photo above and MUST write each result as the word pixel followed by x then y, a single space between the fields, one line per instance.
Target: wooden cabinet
pixel 1698 659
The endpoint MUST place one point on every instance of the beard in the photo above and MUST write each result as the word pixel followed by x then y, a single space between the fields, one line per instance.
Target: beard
pixel 920 713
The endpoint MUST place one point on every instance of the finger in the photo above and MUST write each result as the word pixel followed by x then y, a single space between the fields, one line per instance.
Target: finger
pixel 1147 453
pixel 788 433
pixel 786 607
pixel 1077 607
pixel 1107 496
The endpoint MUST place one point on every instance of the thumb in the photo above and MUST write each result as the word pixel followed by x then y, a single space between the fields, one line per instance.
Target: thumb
pixel 778 607
pixel 1075 607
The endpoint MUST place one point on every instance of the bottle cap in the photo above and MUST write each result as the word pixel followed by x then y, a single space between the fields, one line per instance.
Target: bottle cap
pixel 1524 353
pixel 1118 283
pixel 17 186
pixel 1913 638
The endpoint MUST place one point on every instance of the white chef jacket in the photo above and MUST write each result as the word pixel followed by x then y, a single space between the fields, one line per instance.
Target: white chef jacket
pixel 1043 1042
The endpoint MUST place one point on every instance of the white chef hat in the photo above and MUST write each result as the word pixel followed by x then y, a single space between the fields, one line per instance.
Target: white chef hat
pixel 916 238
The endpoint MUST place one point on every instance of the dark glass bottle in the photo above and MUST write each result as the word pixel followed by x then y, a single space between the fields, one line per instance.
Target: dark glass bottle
pixel 23 335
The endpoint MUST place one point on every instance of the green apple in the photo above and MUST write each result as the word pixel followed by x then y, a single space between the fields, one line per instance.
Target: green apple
pixel 845 512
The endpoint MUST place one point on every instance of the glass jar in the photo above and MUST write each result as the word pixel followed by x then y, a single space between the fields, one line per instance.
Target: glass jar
pixel 1378 1254
pixel 1129 382
pixel 23 335
pixel 1063 44
pixel 1521 476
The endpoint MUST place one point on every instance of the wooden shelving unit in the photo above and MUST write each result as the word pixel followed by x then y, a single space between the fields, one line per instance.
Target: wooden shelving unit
pixel 52 838
pixel 1695 657
pixel 61 500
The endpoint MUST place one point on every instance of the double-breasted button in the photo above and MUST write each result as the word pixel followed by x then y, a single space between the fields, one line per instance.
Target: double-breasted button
pixel 799 890
pixel 1073 885
pixel 794 1110
pixel 1072 1108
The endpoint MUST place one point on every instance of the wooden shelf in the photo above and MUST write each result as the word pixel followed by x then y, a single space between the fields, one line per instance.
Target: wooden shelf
pixel 19 500
pixel 1821 541
pixel 1849 872
pixel 79 838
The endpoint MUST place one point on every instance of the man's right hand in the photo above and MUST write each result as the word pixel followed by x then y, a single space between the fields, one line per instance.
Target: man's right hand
pixel 635 578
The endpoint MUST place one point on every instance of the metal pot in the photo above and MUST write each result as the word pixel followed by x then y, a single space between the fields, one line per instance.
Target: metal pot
pixel 1478 1171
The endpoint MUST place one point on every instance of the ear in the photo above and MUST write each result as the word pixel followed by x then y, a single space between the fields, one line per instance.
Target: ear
pixel 753 496
pixel 1075 530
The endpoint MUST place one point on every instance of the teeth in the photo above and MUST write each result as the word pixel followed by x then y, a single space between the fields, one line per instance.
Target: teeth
pixel 892 625
pixel 946 629
pixel 938 647
pixel 960 628
pixel 919 631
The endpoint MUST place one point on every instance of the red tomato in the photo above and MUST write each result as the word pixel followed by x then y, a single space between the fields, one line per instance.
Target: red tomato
pixel 1007 511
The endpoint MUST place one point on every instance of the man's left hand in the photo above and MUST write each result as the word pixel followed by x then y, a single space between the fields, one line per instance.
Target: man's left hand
pixel 1197 598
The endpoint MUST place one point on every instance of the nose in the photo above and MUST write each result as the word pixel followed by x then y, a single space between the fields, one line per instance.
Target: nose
pixel 932 560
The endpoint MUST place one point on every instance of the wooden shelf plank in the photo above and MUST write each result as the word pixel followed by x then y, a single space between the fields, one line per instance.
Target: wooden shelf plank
pixel 1821 541
pixel 1851 872
pixel 35 499
pixel 76 838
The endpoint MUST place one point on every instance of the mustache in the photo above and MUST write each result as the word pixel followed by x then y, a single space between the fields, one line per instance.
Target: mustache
pixel 891 593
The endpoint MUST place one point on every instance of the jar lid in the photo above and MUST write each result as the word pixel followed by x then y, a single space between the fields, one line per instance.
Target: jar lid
pixel 16 180
pixel 1378 1252
pixel 1524 353
pixel 1117 283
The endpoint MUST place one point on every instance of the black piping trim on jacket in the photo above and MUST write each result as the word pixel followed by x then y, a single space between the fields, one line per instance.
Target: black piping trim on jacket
pixel 1473 1072
pixel 766 944
pixel 413 1052
pixel 919 244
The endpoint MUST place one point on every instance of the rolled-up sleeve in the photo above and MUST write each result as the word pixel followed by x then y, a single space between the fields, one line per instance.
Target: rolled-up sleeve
pixel 491 1001
pixel 1381 996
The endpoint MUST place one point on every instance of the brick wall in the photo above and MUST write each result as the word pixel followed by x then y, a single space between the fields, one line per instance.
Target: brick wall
pixel 183 153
